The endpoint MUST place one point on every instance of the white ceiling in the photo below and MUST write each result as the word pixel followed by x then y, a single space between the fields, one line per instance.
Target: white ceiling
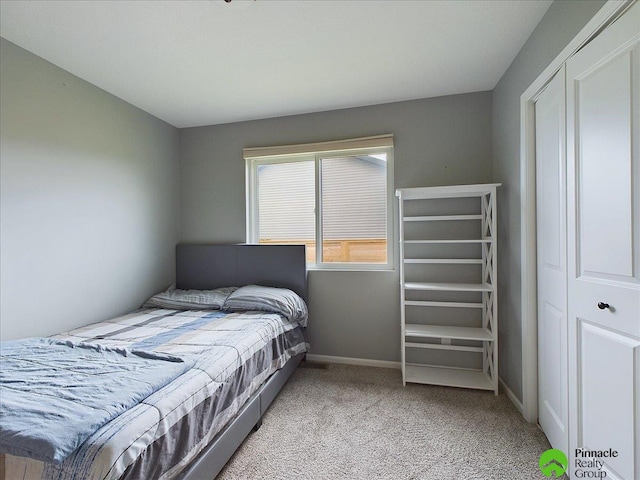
pixel 208 62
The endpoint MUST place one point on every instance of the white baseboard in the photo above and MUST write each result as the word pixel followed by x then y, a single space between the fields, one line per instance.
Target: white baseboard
pixel 365 362
pixel 511 396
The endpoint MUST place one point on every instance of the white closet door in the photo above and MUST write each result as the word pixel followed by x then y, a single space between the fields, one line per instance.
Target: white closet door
pixel 603 183
pixel 551 197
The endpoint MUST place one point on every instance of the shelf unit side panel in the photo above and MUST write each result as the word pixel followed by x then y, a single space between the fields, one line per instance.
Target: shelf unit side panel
pixel 402 290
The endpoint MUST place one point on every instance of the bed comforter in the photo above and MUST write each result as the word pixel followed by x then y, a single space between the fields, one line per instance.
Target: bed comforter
pixel 232 354
pixel 54 394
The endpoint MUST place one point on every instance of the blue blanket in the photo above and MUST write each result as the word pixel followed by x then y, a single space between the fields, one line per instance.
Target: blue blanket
pixel 54 394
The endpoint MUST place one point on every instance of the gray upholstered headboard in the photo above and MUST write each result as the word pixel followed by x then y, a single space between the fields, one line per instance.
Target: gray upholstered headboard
pixel 205 267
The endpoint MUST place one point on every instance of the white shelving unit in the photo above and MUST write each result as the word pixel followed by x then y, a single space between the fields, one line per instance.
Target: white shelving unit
pixel 437 264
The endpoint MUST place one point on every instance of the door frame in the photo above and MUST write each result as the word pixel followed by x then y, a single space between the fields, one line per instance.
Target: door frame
pixel 528 246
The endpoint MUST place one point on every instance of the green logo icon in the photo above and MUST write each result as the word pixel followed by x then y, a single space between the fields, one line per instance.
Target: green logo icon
pixel 553 462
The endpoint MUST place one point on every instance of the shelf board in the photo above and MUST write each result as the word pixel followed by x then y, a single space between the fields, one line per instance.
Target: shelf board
pixel 438 346
pixel 441 218
pixel 445 331
pixel 449 191
pixel 449 287
pixel 451 377
pixel 420 303
pixel 448 261
pixel 474 240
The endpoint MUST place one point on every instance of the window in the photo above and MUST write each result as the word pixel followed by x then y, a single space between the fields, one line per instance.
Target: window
pixel 335 197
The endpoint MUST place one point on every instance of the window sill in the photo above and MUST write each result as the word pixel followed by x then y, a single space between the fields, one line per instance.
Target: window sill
pixel 358 268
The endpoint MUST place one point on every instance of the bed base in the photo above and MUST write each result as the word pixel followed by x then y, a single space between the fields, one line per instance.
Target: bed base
pixel 209 266
pixel 215 456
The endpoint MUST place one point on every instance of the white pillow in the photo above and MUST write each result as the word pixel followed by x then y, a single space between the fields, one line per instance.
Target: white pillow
pixel 268 299
pixel 190 299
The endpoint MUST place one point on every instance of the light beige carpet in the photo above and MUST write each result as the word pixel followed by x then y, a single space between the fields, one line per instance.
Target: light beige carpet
pixel 347 422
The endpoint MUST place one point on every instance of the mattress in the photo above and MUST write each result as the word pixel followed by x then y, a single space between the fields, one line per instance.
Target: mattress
pixel 233 354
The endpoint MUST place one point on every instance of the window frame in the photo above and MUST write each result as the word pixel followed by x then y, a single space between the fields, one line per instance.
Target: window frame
pixel 252 220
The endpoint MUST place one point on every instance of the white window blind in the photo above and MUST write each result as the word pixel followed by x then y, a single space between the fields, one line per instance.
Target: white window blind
pixel 378 141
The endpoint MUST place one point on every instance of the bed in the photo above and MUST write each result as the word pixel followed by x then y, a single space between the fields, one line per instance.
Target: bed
pixel 234 363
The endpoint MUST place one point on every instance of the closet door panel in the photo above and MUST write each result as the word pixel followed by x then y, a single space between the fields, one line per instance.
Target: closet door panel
pixel 552 262
pixel 605 171
pixel 603 238
pixel 607 399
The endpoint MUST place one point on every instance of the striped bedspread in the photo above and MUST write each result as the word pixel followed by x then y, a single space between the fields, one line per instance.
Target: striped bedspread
pixel 233 354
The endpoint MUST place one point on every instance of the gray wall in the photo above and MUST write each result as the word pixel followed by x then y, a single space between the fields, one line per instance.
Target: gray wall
pixel 563 20
pixel 89 200
pixel 438 141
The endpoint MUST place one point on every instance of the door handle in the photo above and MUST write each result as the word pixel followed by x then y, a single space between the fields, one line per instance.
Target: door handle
pixel 602 305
